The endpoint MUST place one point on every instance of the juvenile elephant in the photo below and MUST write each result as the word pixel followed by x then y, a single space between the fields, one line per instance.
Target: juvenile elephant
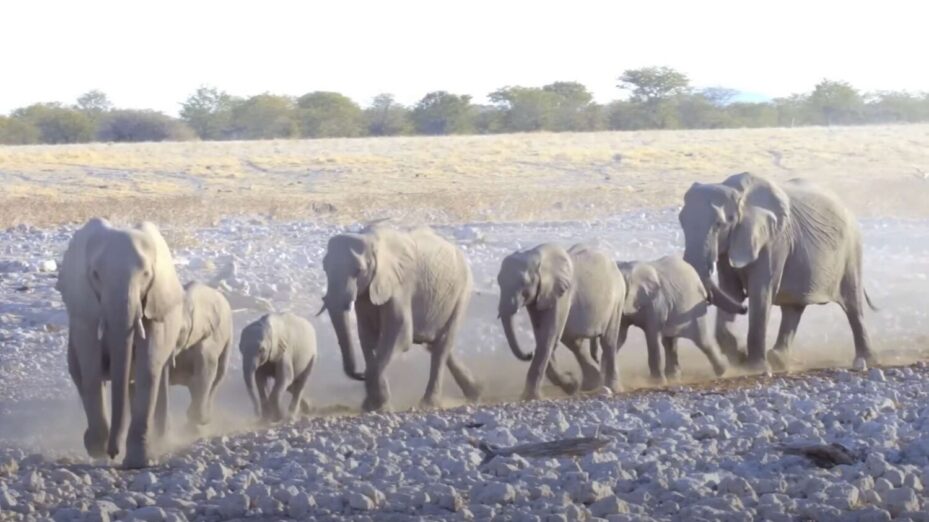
pixel 282 348
pixel 571 296
pixel 124 304
pixel 203 347
pixel 667 300
pixel 791 245
pixel 406 288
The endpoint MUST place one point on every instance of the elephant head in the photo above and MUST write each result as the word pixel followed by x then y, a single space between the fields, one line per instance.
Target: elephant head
pixel 371 264
pixel 132 276
pixel 259 344
pixel 736 218
pixel 537 277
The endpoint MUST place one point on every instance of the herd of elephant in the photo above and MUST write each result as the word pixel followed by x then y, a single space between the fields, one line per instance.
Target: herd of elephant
pixel 132 323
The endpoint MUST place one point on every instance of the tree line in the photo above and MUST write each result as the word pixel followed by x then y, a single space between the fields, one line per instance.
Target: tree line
pixel 656 98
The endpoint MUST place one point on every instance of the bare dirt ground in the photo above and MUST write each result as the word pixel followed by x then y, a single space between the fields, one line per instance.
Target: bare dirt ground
pixel 520 177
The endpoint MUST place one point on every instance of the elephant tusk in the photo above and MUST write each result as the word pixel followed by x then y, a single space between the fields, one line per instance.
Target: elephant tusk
pixel 140 328
pixel 321 310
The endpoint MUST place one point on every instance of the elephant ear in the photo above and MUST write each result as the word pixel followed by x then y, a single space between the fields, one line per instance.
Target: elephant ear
pixel 556 275
pixel 755 230
pixel 643 288
pixel 393 258
pixel 764 213
pixel 165 292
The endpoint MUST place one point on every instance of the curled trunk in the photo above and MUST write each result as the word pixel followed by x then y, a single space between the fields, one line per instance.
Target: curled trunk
pixel 510 333
pixel 346 343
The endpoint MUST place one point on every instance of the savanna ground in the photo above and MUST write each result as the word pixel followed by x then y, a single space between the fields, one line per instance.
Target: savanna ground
pixel 253 217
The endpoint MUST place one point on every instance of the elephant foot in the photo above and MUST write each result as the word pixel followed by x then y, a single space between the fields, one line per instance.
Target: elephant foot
pixel 720 369
pixel 658 380
pixel 95 444
pixel 673 374
pixel 569 386
pixel 430 403
pixel 861 364
pixel 591 384
pixel 780 361
pixel 758 367
pixel 137 457
pixel 474 392
pixel 378 404
pixel 603 391
pixel 531 395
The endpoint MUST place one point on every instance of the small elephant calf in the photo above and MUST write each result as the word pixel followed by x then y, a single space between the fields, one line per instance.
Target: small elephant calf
pixel 202 350
pixel 281 347
pixel 667 300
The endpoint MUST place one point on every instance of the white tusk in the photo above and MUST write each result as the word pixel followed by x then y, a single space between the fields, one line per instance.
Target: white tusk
pixel 351 305
pixel 140 328
pixel 100 331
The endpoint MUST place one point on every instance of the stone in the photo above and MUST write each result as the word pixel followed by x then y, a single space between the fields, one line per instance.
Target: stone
pixel 300 505
pixel 148 514
pixel 491 493
pixel 48 265
pixel 900 500
pixel 610 505
pixel 234 505
pixel 144 481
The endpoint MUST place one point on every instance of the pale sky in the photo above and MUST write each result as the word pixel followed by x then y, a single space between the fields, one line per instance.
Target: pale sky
pixel 153 54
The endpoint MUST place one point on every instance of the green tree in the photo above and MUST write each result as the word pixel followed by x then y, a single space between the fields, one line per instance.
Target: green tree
pixel 209 113
pixel 718 96
pixel 655 89
pixel 142 125
pixel 792 110
pixel 573 107
pixel 265 116
pixel 835 103
pixel 14 131
pixel 698 111
pixel 57 124
pixel 94 103
pixel 386 117
pixel 441 112
pixel 524 109
pixel 743 114
pixel 329 115
pixel 896 106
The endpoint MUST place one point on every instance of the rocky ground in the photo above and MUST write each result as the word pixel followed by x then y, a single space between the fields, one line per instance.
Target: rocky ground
pixel 679 454
pixel 713 451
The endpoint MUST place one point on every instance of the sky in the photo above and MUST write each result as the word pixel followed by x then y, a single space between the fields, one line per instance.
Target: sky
pixel 154 54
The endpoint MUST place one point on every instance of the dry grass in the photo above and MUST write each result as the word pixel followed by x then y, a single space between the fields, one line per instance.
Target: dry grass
pixel 879 170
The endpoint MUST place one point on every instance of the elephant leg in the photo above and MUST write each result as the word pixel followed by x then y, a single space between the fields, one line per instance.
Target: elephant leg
pixel 706 343
pixel 863 354
pixel 548 326
pixel 283 379
pixel 590 372
pixel 161 406
pixel 790 319
pixel 261 382
pixel 298 387
pixel 201 383
pixel 442 355
pixel 563 380
pixel 759 310
pixel 653 343
pixel 469 386
pixel 84 355
pixel 439 357
pixel 672 366
pixel 148 368
pixel 396 334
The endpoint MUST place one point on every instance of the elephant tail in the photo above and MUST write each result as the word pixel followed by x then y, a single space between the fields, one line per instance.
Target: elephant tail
pixel 870 304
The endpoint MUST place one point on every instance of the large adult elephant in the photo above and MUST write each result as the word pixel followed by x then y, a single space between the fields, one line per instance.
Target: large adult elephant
pixel 124 304
pixel 406 287
pixel 790 245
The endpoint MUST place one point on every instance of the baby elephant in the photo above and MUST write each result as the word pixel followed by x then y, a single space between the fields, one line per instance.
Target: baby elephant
pixel 202 349
pixel 281 347
pixel 667 300
pixel 571 296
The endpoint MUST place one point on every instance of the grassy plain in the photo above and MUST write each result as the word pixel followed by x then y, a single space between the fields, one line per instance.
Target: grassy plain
pixel 879 170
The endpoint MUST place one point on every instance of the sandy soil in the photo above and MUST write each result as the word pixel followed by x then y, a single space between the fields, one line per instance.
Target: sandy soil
pixel 520 177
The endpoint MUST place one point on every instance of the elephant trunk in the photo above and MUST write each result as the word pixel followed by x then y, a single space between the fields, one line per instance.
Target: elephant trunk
pixel 346 343
pixel 249 367
pixel 510 333
pixel 119 337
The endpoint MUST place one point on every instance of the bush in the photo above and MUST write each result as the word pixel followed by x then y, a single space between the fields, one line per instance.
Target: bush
pixel 57 124
pixel 329 115
pixel 441 112
pixel 17 132
pixel 136 125
pixel 265 116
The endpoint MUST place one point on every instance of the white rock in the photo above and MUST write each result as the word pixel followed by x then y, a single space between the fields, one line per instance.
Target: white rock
pixel 216 471
pixel 300 505
pixel 144 481
pixel 876 375
pixel 48 265
pixel 234 505
pixel 491 493
pixel 900 500
pixel 894 476
pixel 610 505
pixel 359 502
pixel 876 464
pixel 148 514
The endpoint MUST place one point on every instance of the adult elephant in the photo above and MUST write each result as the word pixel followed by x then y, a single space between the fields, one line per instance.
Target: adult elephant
pixel 790 245
pixel 124 304
pixel 406 287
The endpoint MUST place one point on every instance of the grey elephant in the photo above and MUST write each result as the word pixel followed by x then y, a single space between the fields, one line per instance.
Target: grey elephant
pixel 791 245
pixel 406 287
pixel 279 348
pixel 124 304
pixel 203 347
pixel 668 301
pixel 571 295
